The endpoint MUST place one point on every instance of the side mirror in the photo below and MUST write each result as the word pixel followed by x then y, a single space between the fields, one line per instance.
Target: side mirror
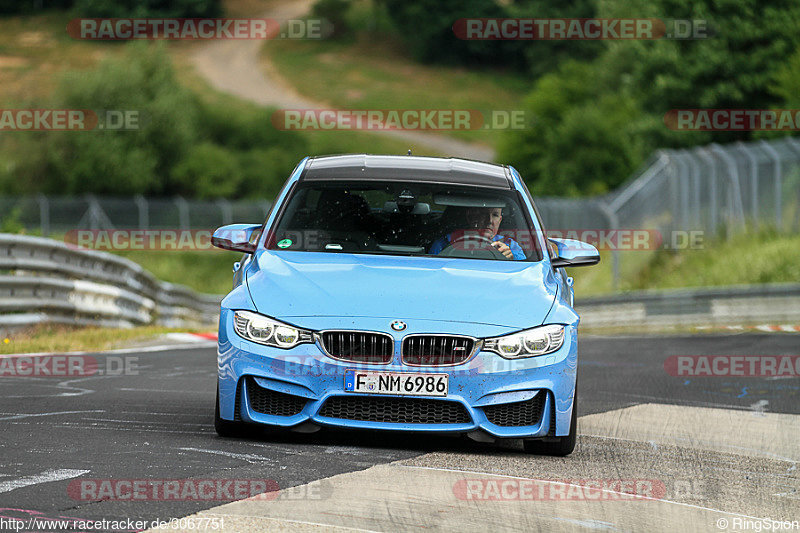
pixel 236 237
pixel 572 253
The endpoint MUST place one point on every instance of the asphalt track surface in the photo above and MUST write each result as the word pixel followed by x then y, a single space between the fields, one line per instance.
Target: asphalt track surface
pixel 719 449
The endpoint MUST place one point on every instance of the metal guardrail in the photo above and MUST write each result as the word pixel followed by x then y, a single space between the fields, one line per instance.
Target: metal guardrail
pixel 47 281
pixel 776 303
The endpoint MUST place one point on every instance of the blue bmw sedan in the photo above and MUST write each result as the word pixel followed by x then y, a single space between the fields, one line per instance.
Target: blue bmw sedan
pixel 402 293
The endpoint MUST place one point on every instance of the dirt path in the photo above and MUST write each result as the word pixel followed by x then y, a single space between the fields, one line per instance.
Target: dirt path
pixel 235 67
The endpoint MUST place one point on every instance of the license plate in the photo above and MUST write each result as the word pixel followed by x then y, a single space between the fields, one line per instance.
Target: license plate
pixel 396 383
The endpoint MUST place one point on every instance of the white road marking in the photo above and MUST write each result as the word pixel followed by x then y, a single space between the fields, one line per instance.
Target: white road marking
pixel 759 407
pixel 45 477
pixel 164 390
pixel 589 524
pixel 17 417
pixel 249 457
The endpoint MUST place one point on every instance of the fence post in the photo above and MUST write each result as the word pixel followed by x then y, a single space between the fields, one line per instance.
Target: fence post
pixel 225 209
pixel 735 203
pixel 97 218
pixel 680 159
pixel 695 178
pixel 265 207
pixel 183 212
pixel 674 188
pixel 712 193
pixel 753 180
pixel 795 147
pixel 44 214
pixel 144 215
pixel 613 224
pixel 777 176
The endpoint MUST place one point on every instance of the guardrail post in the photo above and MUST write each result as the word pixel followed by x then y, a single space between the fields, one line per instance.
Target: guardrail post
pixel 144 215
pixel 44 214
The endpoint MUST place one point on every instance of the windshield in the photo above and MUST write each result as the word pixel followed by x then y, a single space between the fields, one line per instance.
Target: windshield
pixel 412 219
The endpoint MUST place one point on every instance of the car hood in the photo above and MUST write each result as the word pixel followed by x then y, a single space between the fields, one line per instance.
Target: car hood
pixel 288 285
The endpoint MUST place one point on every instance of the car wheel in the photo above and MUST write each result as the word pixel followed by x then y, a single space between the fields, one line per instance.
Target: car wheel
pixel 227 428
pixel 557 446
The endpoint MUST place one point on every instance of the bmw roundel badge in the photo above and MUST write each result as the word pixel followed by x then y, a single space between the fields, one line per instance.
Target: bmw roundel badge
pixel 399 325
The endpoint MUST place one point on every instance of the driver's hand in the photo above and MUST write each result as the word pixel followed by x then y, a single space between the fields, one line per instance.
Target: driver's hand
pixel 503 249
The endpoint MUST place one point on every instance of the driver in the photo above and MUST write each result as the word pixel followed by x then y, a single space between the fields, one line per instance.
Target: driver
pixel 487 221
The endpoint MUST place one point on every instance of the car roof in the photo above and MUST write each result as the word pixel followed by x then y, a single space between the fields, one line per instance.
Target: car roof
pixel 357 167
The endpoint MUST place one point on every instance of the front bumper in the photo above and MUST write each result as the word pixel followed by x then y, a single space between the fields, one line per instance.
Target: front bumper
pixel 293 388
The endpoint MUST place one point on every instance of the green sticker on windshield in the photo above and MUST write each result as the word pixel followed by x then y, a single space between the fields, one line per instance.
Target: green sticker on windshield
pixel 285 243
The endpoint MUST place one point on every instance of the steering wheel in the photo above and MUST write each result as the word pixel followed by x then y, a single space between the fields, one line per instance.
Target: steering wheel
pixel 483 248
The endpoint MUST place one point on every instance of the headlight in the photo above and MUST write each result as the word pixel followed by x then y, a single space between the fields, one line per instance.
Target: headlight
pixel 528 343
pixel 264 330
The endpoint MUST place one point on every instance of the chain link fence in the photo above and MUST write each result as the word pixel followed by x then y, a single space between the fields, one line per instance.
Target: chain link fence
pixel 717 190
pixel 713 192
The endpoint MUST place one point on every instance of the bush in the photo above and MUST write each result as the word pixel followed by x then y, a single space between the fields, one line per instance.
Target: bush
pixel 208 171
pixel 335 13
pixel 427 28
pixel 182 146
pixel 124 162
pixel 31 6
pixel 148 8
pixel 597 121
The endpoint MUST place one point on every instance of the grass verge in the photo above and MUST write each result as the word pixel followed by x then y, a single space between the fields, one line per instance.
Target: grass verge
pixel 750 258
pixel 57 339
pixel 208 271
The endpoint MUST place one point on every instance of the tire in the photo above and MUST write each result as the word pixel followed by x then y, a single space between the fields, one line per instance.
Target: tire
pixel 227 428
pixel 557 446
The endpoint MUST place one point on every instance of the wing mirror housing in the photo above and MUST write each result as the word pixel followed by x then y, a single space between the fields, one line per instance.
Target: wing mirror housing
pixel 236 237
pixel 572 253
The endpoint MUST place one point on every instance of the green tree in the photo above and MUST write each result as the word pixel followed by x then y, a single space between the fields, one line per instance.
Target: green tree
pixel 208 171
pixel 597 121
pixel 141 81
pixel 543 56
pixel 427 28
pixel 148 8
